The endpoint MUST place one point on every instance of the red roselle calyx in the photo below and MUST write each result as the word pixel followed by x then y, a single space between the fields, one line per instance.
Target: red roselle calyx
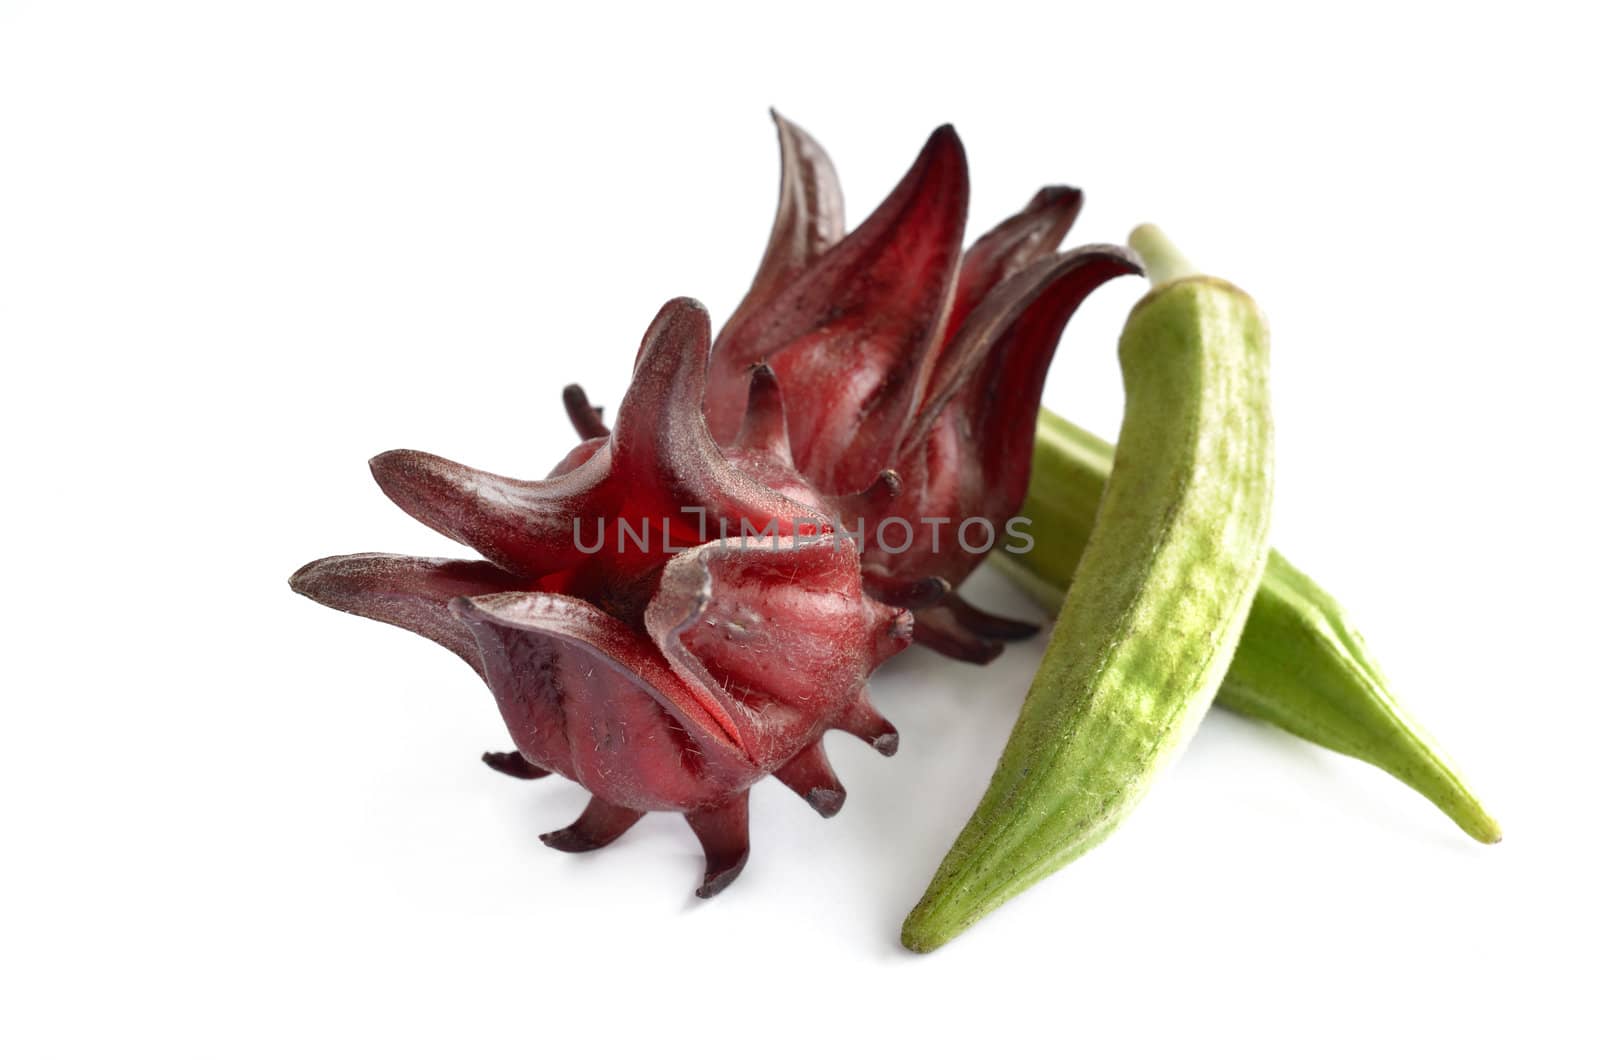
pixel 874 392
pixel 895 351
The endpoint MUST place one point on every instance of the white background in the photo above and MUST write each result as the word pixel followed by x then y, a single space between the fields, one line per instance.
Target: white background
pixel 243 247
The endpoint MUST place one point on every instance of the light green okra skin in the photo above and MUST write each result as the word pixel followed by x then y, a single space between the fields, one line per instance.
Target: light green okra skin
pixel 1300 663
pixel 1155 610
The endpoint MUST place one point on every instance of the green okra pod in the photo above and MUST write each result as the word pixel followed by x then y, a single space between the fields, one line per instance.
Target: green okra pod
pixel 1300 664
pixel 1155 609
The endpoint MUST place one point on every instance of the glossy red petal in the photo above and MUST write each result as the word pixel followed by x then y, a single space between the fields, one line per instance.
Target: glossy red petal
pixel 810 216
pixel 1001 395
pixel 524 527
pixel 968 456
pixel 1012 245
pixel 852 337
pixel 1005 346
pixel 663 453
pixel 405 591
pixel 587 697
pixel 778 630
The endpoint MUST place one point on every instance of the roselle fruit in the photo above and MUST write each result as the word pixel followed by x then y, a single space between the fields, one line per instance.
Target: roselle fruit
pixel 694 596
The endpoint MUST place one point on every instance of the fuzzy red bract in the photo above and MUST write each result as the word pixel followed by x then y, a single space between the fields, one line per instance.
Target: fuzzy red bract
pixel 680 608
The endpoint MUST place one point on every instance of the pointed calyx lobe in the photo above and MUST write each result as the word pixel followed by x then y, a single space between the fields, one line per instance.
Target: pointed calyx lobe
pixel 850 336
pixel 810 217
pixel 406 591
pixel 1013 245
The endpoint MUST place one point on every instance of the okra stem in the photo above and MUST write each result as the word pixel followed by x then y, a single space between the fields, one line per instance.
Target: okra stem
pixel 1163 261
